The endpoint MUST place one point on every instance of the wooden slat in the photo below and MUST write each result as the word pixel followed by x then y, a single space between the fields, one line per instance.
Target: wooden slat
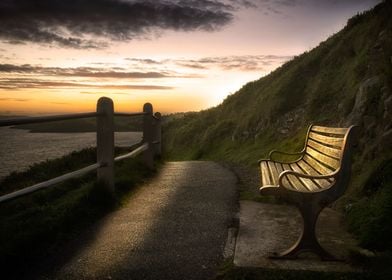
pixel 274 173
pixel 313 184
pixel 327 140
pixel 311 171
pixel 323 170
pixel 265 176
pixel 332 162
pixel 325 149
pixel 308 169
pixel 323 183
pixel 294 182
pixel 308 183
pixel 329 130
pixel 280 169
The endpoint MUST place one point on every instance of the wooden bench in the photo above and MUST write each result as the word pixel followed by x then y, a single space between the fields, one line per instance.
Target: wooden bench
pixel 318 176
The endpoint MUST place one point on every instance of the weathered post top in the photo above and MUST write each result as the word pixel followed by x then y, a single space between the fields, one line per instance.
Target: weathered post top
pixel 147 108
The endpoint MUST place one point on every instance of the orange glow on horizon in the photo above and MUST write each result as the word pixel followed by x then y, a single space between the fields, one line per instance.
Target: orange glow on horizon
pixel 80 94
pixel 122 103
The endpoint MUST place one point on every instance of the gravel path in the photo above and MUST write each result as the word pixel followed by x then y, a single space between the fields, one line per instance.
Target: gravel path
pixel 174 227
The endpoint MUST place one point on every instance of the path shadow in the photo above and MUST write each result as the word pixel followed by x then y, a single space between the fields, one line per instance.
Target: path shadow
pixel 173 227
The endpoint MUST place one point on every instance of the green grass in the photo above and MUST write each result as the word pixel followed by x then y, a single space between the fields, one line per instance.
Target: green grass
pixel 34 225
pixel 228 271
pixel 321 86
pixel 371 215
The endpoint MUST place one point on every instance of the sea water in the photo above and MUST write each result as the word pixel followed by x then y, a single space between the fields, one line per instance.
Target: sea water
pixel 19 148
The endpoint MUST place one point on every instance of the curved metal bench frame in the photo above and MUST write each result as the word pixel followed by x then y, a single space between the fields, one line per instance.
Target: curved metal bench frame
pixel 311 202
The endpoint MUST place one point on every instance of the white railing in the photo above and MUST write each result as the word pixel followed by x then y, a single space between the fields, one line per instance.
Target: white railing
pixel 150 144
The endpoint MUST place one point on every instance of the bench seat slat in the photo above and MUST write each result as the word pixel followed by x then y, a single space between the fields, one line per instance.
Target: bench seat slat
pixel 280 169
pixel 311 170
pixel 329 130
pixel 316 184
pixel 265 176
pixel 323 170
pixel 295 183
pixel 308 183
pixel 308 169
pixel 326 160
pixel 274 173
pixel 326 140
pixel 324 149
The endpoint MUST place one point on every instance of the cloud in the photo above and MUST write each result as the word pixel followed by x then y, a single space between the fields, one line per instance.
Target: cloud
pixel 27 76
pixel 281 6
pixel 14 99
pixel 116 75
pixel 25 83
pixel 237 63
pixel 92 23
pixel 144 60
pixel 191 64
pixel 60 103
pixel 244 3
pixel 90 72
pixel 103 93
pixel 271 4
pixel 139 87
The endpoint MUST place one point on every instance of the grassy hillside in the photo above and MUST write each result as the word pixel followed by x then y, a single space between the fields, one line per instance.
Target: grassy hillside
pixel 346 80
pixel 35 226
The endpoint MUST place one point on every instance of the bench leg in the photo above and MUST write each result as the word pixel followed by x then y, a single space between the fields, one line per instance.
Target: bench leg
pixel 307 242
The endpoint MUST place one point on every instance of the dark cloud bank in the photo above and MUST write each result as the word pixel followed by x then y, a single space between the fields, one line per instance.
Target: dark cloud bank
pixel 94 23
pixel 85 23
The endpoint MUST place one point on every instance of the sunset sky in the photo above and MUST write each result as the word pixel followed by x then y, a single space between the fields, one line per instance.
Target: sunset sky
pixel 181 55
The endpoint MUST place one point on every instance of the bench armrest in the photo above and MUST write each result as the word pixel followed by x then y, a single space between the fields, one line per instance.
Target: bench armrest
pixel 285 174
pixel 283 153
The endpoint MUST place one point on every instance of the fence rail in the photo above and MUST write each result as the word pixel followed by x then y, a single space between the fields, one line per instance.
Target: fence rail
pixel 151 144
pixel 29 120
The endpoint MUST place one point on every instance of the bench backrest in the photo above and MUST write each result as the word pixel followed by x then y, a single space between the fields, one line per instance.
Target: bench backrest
pixel 329 149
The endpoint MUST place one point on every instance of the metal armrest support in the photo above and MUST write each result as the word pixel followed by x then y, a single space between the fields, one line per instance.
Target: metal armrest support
pixel 285 153
pixel 300 153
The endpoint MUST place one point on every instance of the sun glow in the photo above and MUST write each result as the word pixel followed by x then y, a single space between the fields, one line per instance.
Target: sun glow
pixel 185 65
pixel 172 84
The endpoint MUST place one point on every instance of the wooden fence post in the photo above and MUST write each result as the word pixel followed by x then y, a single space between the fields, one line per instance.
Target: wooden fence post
pixel 105 142
pixel 148 135
pixel 158 134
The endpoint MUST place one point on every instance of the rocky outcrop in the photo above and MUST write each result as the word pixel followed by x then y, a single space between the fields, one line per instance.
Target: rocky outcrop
pixel 362 100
